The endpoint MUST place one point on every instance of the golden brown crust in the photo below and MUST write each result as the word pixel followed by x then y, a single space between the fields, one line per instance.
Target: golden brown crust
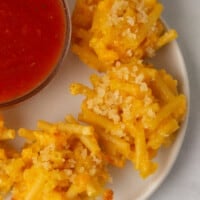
pixel 108 195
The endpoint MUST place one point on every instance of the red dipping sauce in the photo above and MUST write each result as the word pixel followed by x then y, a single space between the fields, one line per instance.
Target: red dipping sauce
pixel 32 41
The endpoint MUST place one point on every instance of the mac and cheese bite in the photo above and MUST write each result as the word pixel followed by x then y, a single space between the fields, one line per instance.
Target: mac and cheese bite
pixel 135 109
pixel 118 31
pixel 7 156
pixel 59 161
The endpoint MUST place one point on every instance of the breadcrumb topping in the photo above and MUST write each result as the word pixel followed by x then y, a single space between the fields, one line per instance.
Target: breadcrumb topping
pixel 129 34
pixel 116 12
pixel 110 100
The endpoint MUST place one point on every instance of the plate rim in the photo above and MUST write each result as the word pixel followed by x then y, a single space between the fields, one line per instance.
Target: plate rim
pixel 183 129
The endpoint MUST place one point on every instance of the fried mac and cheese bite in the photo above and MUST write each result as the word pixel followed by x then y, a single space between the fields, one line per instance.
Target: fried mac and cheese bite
pixel 59 161
pixel 118 31
pixel 8 159
pixel 5 133
pixel 135 109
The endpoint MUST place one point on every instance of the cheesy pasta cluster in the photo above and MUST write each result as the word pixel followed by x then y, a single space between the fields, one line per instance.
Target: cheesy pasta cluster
pixel 59 161
pixel 111 31
pixel 135 109
pixel 7 154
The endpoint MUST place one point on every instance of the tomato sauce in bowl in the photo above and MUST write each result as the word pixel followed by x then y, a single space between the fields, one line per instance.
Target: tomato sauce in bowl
pixel 34 37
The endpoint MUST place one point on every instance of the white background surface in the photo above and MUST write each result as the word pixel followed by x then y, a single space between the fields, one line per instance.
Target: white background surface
pixel 183 181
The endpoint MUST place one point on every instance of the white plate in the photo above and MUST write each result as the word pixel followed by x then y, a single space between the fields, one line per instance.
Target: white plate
pixel 55 101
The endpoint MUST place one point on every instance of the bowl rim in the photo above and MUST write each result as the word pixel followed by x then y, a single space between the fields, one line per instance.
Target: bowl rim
pixel 55 68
